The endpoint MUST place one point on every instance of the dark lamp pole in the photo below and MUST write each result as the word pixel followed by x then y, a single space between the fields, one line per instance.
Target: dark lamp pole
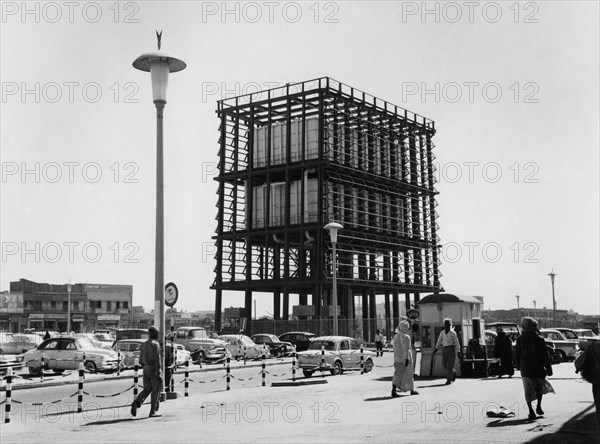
pixel 552 274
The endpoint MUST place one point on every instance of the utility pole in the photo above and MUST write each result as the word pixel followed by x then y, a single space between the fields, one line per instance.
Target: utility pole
pixel 552 274
pixel 518 310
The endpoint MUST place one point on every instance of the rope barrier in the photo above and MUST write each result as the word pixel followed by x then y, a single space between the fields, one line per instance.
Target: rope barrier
pixel 109 396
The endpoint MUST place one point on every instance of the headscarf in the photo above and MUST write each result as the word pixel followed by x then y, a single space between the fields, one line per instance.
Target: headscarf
pixel 528 323
pixel 403 327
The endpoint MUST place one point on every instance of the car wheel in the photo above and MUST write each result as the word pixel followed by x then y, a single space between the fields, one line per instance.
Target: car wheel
pixel 90 366
pixel 368 365
pixel 35 371
pixel 307 373
pixel 337 368
pixel 564 357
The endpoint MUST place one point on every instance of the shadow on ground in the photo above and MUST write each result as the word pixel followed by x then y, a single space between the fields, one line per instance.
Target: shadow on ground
pixel 582 428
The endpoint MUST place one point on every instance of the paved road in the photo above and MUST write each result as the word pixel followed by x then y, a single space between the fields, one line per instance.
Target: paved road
pixel 350 408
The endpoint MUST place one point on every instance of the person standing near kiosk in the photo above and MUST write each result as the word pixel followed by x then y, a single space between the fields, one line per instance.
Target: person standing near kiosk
pixel 448 342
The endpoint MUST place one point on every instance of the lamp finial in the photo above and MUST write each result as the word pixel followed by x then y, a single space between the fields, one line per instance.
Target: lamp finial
pixel 158 37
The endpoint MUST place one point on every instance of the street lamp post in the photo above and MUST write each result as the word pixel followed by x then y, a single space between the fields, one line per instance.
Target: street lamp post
pixel 552 274
pixel 333 228
pixel 518 309
pixel 69 308
pixel 534 309
pixel 159 64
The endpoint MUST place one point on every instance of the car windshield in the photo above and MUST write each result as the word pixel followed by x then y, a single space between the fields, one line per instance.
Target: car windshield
pixel 569 334
pixel 586 333
pixel 317 344
pixel 198 334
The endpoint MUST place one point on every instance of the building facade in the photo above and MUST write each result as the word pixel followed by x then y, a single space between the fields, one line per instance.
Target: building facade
pixel 41 306
pixel 295 158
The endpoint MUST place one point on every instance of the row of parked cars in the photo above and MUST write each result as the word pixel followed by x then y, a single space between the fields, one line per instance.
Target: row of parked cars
pixel 563 343
pixel 62 352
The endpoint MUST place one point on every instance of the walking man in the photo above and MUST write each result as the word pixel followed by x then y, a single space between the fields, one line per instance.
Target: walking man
pixel 448 342
pixel 150 360
pixel 379 343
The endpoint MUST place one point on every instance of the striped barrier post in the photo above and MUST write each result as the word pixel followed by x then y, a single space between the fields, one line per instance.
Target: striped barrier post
pixel 83 361
pixel 244 354
pixel 80 389
pixel 362 360
pixel 8 399
pixel 294 367
pixel 323 361
pixel 186 379
pixel 228 372
pixel 136 366
pixel 263 370
pixel 42 364
pixel 118 363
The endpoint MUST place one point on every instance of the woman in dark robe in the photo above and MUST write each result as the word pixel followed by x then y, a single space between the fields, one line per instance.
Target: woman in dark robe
pixel 503 351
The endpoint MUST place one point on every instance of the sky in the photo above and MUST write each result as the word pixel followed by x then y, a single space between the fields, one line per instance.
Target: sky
pixel 512 88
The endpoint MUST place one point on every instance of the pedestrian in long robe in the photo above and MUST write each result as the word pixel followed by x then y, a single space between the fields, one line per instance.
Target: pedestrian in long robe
pixel 533 360
pixel 403 361
pixel 503 349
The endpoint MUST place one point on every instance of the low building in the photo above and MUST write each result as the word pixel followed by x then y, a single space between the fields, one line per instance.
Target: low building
pixel 42 306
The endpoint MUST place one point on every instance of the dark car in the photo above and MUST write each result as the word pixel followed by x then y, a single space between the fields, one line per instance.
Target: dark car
pixel 277 347
pixel 299 339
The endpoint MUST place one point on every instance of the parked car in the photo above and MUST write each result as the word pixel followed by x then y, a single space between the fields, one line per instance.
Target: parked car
pixel 198 343
pixel 92 338
pixel 341 353
pixel 17 343
pixel 586 337
pixel 65 353
pixel 276 346
pixel 9 361
pixel 182 355
pixel 241 345
pixel 490 342
pixel 567 347
pixel 512 329
pixel 129 349
pixel 299 339
pixel 106 339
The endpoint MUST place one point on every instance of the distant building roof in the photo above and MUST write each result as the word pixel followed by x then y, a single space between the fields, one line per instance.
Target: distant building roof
pixel 447 297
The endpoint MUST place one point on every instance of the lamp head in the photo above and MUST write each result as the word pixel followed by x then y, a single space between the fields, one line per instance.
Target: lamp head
pixel 333 228
pixel 159 64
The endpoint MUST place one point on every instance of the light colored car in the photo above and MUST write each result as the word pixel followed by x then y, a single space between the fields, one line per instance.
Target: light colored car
pixel 276 346
pixel 129 349
pixel 17 343
pixel 586 337
pixel 241 346
pixel 197 341
pixel 66 353
pixel 9 361
pixel 335 354
pixel 568 348
pixel 182 355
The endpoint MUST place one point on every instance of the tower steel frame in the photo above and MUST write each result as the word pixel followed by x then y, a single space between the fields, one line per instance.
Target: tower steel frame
pixel 297 157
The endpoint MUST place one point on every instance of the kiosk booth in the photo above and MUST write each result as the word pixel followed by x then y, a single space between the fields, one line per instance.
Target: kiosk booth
pixel 465 312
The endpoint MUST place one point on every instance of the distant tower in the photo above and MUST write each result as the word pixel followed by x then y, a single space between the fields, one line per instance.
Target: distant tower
pixel 297 157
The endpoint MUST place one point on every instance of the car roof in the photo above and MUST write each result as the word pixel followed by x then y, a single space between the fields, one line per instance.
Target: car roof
pixel 131 340
pixel 297 332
